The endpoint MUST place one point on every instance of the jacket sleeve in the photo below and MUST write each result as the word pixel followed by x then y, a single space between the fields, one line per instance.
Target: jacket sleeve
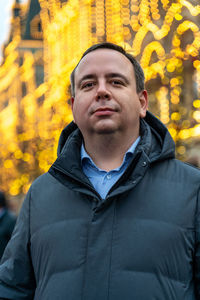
pixel 197 250
pixel 17 281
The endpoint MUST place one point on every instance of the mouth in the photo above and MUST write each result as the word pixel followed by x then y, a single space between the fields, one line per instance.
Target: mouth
pixel 104 111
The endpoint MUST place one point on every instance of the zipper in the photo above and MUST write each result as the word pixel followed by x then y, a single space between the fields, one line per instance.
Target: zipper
pixel 125 176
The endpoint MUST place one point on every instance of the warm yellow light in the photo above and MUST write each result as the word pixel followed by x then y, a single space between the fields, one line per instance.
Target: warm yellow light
pixel 196 103
pixel 18 154
pixel 194 10
pixel 175 99
pixel 173 133
pixel 175 116
pixel 196 115
pixel 196 131
pixel 171 67
pixel 184 134
pixel 196 64
pixel 181 150
pixel 8 164
pixel 174 82
pixel 178 17
pixel 26 157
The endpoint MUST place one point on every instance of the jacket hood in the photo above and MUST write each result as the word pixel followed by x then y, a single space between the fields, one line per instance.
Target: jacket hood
pixel 66 132
pixel 156 140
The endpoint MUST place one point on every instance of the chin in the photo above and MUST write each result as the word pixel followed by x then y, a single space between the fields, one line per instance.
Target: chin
pixel 105 127
pixel 105 130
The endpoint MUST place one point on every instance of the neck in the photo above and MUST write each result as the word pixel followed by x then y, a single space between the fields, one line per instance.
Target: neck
pixel 107 151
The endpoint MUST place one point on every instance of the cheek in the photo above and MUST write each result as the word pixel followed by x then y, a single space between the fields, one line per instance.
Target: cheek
pixel 75 111
pixel 133 110
pixel 78 111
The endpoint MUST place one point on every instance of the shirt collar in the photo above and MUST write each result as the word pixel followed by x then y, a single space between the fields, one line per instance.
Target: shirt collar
pixel 129 153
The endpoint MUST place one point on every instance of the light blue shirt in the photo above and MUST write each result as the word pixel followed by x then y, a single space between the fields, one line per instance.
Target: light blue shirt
pixel 101 179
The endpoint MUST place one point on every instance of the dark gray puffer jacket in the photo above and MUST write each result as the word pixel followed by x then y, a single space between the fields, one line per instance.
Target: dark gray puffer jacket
pixel 141 243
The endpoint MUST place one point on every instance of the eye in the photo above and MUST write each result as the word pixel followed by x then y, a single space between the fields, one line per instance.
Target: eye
pixel 87 85
pixel 117 82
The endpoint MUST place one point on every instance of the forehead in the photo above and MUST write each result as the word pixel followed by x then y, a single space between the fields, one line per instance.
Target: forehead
pixel 104 61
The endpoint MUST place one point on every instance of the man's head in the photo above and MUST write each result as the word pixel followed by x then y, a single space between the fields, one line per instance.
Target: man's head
pixel 139 74
pixel 109 95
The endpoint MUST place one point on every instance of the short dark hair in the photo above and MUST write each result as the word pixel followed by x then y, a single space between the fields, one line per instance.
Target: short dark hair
pixel 139 74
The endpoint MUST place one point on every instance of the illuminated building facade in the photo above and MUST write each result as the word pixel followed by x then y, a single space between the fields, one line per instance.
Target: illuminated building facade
pixel 34 77
pixel 21 73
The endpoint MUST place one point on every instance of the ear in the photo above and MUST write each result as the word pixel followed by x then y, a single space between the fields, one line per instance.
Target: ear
pixel 143 98
pixel 72 102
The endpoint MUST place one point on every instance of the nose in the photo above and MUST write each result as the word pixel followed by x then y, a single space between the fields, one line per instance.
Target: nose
pixel 102 92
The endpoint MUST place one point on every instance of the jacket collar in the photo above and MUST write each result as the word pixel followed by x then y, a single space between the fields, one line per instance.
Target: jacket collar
pixel 156 144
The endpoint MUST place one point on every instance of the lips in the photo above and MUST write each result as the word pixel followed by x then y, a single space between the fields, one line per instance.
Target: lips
pixel 103 111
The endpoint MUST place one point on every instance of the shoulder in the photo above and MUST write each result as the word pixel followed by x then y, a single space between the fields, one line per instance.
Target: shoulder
pixel 186 167
pixel 177 172
pixel 42 180
pixel 43 187
pixel 184 173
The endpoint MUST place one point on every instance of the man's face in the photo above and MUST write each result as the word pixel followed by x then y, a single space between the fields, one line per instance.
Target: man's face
pixel 106 100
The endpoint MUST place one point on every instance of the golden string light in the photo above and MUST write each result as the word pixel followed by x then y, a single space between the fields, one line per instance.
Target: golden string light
pixel 162 97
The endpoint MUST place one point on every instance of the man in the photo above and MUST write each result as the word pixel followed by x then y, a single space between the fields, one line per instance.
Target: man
pixel 7 223
pixel 116 217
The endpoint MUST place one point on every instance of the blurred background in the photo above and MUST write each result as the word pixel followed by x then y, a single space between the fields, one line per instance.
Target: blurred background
pixel 42 42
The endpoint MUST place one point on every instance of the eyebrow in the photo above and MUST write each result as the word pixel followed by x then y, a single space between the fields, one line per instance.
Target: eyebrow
pixel 109 75
pixel 114 75
pixel 85 77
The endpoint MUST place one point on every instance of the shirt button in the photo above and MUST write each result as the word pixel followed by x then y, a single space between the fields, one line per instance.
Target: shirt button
pixel 144 164
pixel 108 176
